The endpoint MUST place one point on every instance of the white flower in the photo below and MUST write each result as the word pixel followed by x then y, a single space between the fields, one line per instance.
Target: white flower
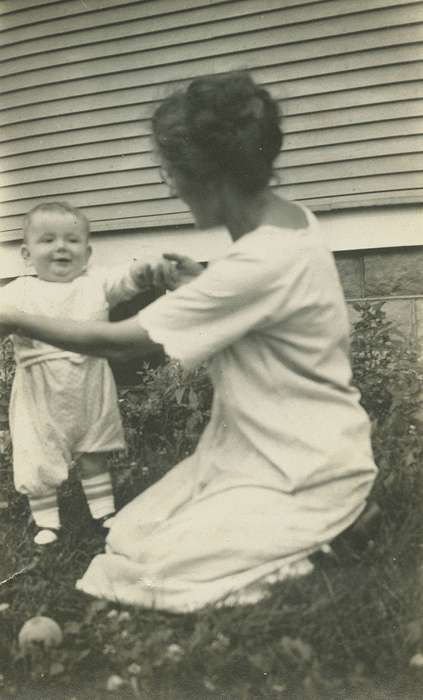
pixel 134 669
pixel 113 613
pixel 124 615
pixel 114 683
pixel 4 607
pixel 39 630
pixel 109 649
pixel 174 652
pixel 417 660
pixel 220 643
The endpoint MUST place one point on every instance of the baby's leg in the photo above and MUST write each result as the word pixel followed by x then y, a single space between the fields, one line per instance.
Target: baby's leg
pixel 97 484
pixel 45 513
pixel 40 453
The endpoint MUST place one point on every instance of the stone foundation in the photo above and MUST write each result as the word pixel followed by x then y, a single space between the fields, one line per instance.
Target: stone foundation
pixel 394 276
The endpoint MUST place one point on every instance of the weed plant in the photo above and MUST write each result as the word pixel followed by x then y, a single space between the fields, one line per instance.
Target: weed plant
pixel 353 629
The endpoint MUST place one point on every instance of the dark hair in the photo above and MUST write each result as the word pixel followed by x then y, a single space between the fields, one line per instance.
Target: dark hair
pixel 220 126
pixel 56 207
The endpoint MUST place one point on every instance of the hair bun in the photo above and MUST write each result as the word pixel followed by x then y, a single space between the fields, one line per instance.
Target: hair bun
pixel 236 123
pixel 220 127
pixel 217 105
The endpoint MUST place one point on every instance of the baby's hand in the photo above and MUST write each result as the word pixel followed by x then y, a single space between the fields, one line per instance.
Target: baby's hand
pixel 175 270
pixel 142 274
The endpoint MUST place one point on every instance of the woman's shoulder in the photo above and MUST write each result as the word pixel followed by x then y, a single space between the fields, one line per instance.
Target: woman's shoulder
pixel 283 239
pixel 286 214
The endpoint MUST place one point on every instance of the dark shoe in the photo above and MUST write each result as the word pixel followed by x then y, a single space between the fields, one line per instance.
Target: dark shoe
pixel 359 536
pixel 102 525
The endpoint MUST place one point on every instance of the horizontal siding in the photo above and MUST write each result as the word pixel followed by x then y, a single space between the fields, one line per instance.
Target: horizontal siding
pixel 76 102
pixel 160 31
pixel 272 61
pixel 17 26
pixel 333 127
pixel 147 182
pixel 158 64
pixel 147 164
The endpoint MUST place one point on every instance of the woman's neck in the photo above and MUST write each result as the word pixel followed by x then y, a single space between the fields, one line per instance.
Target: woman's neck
pixel 266 208
pixel 241 213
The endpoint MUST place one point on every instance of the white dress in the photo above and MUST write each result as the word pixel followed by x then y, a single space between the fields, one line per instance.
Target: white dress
pixel 285 463
pixel 62 403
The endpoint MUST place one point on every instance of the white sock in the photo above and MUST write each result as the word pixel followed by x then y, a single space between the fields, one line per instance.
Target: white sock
pixel 99 494
pixel 45 511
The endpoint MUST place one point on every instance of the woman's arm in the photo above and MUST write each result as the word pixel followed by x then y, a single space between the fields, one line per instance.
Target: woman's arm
pixel 124 340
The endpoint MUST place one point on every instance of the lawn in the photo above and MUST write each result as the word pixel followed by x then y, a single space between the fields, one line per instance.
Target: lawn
pixel 351 630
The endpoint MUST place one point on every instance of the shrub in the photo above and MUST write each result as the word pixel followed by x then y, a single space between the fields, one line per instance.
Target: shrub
pixel 7 370
pixel 164 416
pixel 388 371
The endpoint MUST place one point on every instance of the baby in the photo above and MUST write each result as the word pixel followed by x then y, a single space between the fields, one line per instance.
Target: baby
pixel 64 406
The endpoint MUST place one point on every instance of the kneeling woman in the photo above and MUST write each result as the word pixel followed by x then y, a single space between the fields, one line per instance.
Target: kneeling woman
pixel 285 463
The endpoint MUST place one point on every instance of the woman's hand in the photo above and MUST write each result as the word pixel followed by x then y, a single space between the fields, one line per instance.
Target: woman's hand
pixel 175 270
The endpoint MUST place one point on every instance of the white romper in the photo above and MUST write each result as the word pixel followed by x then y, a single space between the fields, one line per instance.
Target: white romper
pixel 285 463
pixel 62 403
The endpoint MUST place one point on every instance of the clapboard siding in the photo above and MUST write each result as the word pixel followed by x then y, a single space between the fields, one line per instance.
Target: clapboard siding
pixel 73 15
pixel 285 88
pixel 126 204
pixel 147 164
pixel 302 122
pixel 149 34
pixel 157 59
pixel 76 102
pixel 294 69
pixel 297 146
pixel 376 95
pixel 11 197
pixel 333 126
pixel 159 14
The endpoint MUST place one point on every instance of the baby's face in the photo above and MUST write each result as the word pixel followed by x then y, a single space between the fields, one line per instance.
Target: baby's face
pixel 57 245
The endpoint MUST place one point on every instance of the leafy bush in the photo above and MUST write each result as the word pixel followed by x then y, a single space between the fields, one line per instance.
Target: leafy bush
pixel 163 417
pixel 7 370
pixel 389 373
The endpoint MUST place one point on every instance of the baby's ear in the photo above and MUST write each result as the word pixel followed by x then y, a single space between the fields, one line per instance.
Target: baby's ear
pixel 25 252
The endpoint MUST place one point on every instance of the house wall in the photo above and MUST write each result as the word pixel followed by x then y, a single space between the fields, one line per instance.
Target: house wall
pixel 80 81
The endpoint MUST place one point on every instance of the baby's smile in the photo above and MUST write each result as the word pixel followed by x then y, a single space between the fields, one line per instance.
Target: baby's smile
pixel 58 247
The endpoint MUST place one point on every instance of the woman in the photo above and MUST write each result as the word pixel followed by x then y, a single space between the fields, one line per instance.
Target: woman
pixel 285 463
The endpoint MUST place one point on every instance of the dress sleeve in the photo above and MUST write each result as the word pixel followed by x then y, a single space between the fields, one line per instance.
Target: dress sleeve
pixel 118 284
pixel 234 296
pixel 12 294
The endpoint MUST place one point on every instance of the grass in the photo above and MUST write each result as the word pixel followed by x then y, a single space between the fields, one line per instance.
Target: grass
pixel 352 630
pixel 347 631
